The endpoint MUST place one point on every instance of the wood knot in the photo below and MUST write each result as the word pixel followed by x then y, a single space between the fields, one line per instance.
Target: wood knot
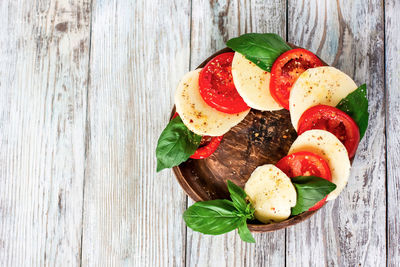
pixel 62 26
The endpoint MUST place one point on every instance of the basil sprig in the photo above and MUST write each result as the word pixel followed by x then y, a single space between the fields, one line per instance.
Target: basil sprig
pixel 176 144
pixel 356 106
pixel 260 48
pixel 215 217
pixel 310 190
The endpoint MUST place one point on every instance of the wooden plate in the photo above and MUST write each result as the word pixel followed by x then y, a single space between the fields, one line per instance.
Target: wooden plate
pixel 262 137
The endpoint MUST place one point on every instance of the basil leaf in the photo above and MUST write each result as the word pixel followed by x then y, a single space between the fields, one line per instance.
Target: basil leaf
pixel 260 48
pixel 310 190
pixel 238 196
pixel 356 106
pixel 213 217
pixel 249 211
pixel 245 233
pixel 175 145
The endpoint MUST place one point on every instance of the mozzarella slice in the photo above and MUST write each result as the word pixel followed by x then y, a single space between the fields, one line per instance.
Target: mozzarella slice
pixel 328 147
pixel 252 83
pixel 322 85
pixel 199 117
pixel 271 193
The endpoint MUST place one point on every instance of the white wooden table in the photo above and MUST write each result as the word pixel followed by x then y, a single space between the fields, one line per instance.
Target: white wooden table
pixel 86 87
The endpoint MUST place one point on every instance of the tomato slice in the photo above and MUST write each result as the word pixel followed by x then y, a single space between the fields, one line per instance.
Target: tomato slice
pixel 285 71
pixel 216 85
pixel 207 146
pixel 306 164
pixel 333 120
pixel 175 115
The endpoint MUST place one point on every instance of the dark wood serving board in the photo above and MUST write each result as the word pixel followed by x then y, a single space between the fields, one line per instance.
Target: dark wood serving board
pixel 263 137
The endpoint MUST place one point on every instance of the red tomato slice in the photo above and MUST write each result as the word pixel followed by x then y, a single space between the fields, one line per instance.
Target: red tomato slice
pixel 207 146
pixel 175 115
pixel 216 85
pixel 334 121
pixel 285 71
pixel 306 164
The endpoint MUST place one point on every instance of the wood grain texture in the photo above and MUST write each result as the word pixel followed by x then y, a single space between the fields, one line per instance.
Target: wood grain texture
pixel 392 129
pixel 77 175
pixel 349 231
pixel 133 216
pixel 213 23
pixel 43 81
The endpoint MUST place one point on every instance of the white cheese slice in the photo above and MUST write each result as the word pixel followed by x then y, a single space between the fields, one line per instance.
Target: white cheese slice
pixel 199 117
pixel 271 193
pixel 321 85
pixel 328 147
pixel 252 83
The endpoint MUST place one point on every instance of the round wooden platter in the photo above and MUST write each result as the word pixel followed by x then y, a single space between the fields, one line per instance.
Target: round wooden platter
pixel 263 137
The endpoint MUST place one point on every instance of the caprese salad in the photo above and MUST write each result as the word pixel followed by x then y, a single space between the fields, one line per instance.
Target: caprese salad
pixel 327 109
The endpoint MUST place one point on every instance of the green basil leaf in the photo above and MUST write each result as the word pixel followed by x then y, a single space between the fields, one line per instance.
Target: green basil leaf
pixel 260 48
pixel 212 217
pixel 249 211
pixel 356 106
pixel 238 196
pixel 175 145
pixel 245 233
pixel 310 190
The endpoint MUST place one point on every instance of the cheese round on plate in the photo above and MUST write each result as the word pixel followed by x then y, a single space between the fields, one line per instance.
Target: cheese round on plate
pixel 199 117
pixel 271 194
pixel 321 85
pixel 252 83
pixel 328 147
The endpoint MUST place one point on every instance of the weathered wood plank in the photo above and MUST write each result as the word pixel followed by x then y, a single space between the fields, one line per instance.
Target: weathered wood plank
pixel 213 23
pixel 132 216
pixel 43 83
pixel 392 129
pixel 351 230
